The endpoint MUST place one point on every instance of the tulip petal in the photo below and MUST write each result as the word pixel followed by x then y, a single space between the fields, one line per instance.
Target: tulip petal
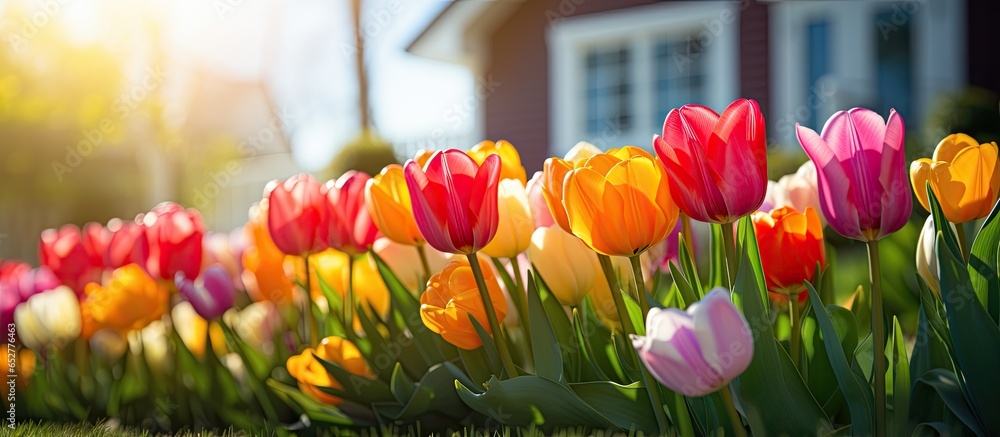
pixel 832 182
pixel 426 204
pixel 725 339
pixel 737 155
pixel 482 204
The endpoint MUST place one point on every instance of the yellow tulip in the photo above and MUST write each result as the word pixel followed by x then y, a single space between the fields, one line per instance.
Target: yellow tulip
pixel 154 345
pixel 964 175
pixel 619 202
pixel 581 152
pixel 452 296
pixel 510 160
pixel 422 156
pixel 388 202
pixel 565 263
pixel 515 223
pixel 49 318
pixel 311 374
pixel 331 265
pixel 600 295
pixel 130 300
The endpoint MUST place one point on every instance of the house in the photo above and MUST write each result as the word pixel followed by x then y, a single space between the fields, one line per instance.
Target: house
pixel 608 71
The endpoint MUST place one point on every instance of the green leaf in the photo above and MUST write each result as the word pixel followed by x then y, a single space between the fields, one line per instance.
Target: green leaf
pixel 717 258
pixel 561 325
pixel 634 313
pixel 690 269
pixel 687 293
pixel 400 385
pixel 509 284
pixel 857 392
pixel 941 222
pixel 974 336
pixel 819 374
pixel 929 351
pixel 771 387
pixel 361 389
pixel 941 384
pixel 378 343
pixel 435 392
pixel 489 346
pixel 408 308
pixel 316 411
pixel 544 345
pixel 899 369
pixel 983 267
pixel 533 400
pixel 626 405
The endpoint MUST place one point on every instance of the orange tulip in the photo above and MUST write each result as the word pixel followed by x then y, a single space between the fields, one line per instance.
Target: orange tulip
pixel 791 243
pixel 310 374
pixel 619 202
pixel 422 156
pixel 452 296
pixel 263 263
pixel 553 175
pixel 388 201
pixel 964 175
pixel 130 300
pixel 510 160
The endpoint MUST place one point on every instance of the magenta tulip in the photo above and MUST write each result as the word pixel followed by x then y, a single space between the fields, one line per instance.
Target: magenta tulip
pixel 455 200
pixel 212 295
pixel 351 229
pixel 717 163
pixel 863 181
pixel 699 351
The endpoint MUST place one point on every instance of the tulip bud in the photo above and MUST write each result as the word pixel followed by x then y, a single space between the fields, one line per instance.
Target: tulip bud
pixel 568 267
pixel 297 216
pixel 963 174
pixel 127 245
pixel 310 373
pixel 927 261
pixel 536 198
pixel 510 160
pixel 784 231
pixel 49 318
pixel 388 202
pixel 351 229
pixel 212 295
pixel 698 351
pixel 64 252
pixel 514 225
pixel 175 241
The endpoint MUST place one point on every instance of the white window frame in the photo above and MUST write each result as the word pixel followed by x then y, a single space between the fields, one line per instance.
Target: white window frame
pixel 939 61
pixel 639 28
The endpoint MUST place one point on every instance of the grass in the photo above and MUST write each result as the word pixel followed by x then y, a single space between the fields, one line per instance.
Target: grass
pixel 106 429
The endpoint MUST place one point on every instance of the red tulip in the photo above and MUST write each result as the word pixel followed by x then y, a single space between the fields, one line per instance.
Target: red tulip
pixel 64 252
pixel 96 239
pixel 127 244
pixel 455 200
pixel 351 228
pixel 175 241
pixel 297 216
pixel 717 163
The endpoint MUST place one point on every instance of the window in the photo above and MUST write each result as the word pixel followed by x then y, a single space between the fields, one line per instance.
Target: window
pixel 893 68
pixel 680 76
pixel 609 99
pixel 818 64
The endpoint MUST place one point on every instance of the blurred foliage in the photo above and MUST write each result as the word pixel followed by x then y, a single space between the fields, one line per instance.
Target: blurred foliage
pixel 973 111
pixel 367 152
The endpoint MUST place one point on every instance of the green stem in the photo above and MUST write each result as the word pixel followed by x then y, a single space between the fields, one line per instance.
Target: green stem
pixel 652 386
pixel 686 233
pixel 349 297
pixel 640 285
pixel 427 268
pixel 729 243
pixel 523 309
pixel 734 417
pixel 683 416
pixel 794 321
pixel 310 317
pixel 491 315
pixel 962 240
pixel 581 332
pixel 878 336
pixel 256 387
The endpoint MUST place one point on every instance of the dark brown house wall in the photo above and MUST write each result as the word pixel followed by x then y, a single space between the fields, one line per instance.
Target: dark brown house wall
pixel 519 109
pixel 984 63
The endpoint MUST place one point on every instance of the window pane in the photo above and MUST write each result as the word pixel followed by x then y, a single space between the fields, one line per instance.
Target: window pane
pixel 608 92
pixel 818 60
pixel 680 74
pixel 893 68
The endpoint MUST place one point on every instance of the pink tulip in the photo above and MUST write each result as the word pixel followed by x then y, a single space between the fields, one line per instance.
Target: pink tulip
pixel 455 200
pixel 351 228
pixel 863 181
pixel 536 199
pixel 212 295
pixel 717 163
pixel 699 351
pixel 297 217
